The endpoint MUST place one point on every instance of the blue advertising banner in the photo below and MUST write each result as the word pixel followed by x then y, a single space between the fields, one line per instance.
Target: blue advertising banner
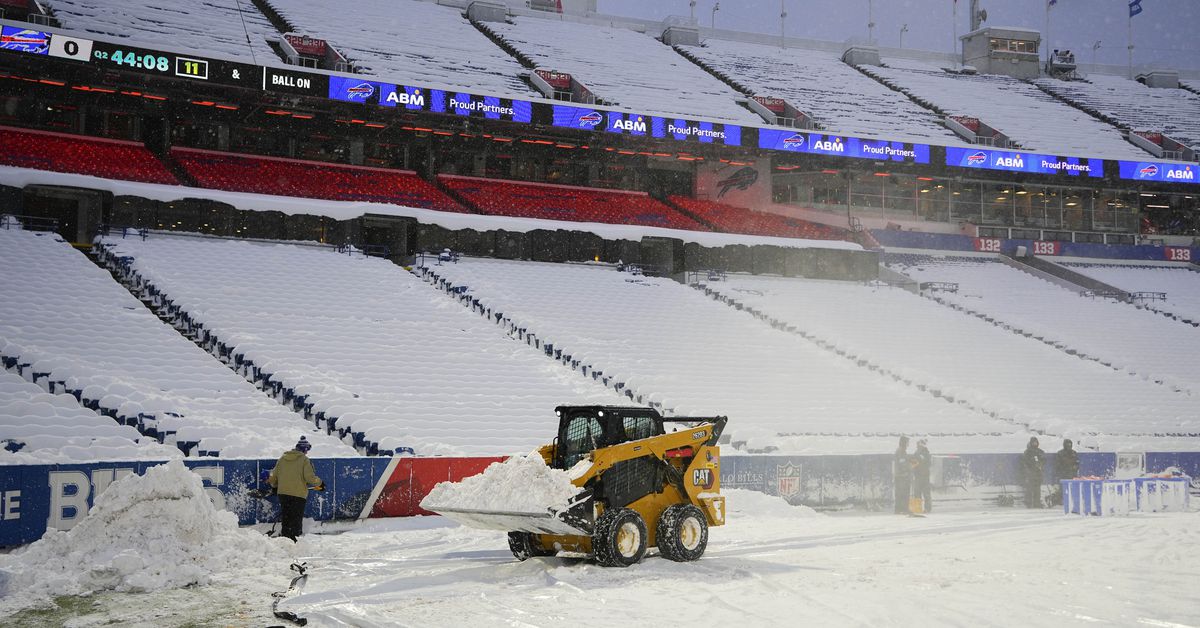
pixel 1011 161
pixel 1157 171
pixel 678 129
pixel 354 89
pixel 24 40
pixel 842 146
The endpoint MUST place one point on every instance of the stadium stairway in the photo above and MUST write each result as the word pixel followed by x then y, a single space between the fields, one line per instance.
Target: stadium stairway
pixel 859 360
pixel 551 347
pixel 175 317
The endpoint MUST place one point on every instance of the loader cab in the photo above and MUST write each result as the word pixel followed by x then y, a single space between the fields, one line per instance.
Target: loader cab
pixel 583 429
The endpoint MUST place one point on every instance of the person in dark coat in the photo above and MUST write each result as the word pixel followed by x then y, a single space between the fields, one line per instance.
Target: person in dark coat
pixel 902 476
pixel 922 461
pixel 292 476
pixel 1066 467
pixel 1032 463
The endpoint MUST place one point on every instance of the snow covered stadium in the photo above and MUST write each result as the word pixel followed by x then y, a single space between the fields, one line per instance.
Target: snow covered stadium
pixel 410 230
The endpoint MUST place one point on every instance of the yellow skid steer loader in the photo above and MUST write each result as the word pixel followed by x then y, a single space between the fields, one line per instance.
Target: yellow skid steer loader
pixel 643 487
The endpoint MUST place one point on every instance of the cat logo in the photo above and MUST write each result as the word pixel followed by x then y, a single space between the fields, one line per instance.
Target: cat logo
pixel 703 478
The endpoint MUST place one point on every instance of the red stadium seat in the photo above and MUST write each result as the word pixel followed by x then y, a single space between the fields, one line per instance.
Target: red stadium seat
pixel 563 202
pixel 306 179
pixel 751 222
pixel 61 152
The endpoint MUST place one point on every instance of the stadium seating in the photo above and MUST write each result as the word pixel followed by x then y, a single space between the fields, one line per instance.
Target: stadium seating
pixel 748 221
pixel 37 427
pixel 82 333
pixel 236 30
pixel 972 361
pixel 362 345
pixel 290 177
pixel 1033 119
pixel 1175 112
pixel 412 43
pixel 1179 285
pixel 623 68
pixel 561 202
pixel 1147 345
pixel 840 98
pixel 671 347
pixel 59 152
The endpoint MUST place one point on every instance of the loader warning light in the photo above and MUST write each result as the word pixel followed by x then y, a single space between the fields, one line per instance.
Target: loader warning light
pixel 682 452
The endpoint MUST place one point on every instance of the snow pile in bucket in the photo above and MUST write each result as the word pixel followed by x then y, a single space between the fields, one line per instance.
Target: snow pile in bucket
pixel 144 533
pixel 519 484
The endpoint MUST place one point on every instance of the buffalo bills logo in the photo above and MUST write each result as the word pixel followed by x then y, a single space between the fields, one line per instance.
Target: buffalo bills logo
pixel 362 91
pixel 742 180
pixel 795 141
pixel 1148 171
pixel 36 42
pixel 977 159
pixel 590 119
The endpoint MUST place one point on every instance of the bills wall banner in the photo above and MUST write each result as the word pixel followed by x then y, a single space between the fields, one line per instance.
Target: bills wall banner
pixel 1158 171
pixel 27 40
pixel 842 146
pixel 1023 162
pixel 678 129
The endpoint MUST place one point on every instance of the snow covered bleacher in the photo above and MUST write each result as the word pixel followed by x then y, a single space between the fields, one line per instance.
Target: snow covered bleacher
pixel 60 152
pixel 73 329
pixel 361 345
pixel 1177 285
pixel 838 97
pixel 292 177
pixel 741 220
pixel 412 43
pixel 37 427
pixel 1033 119
pixel 208 28
pixel 671 347
pixel 1111 332
pixel 977 363
pixel 624 68
pixel 1175 112
pixel 563 202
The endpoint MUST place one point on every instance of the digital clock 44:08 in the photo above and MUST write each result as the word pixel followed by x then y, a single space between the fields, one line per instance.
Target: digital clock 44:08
pixel 140 61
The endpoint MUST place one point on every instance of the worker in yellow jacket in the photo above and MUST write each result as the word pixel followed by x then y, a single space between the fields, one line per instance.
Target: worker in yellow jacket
pixel 292 476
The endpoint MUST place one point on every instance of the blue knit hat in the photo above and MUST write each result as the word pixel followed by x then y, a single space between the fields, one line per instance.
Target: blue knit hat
pixel 303 445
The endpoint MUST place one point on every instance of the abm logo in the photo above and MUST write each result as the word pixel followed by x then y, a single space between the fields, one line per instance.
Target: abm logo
pixel 362 91
pixel 1149 170
pixel 631 126
pixel 1183 174
pixel 590 120
pixel 742 180
pixel 399 97
pixel 834 145
pixel 794 142
pixel 977 159
pixel 1010 162
pixel 26 40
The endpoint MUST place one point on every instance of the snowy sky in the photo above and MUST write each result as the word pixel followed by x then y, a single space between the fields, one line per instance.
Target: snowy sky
pixel 1164 34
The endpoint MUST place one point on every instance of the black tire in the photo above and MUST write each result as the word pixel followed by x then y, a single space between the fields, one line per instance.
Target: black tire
pixel 682 533
pixel 524 546
pixel 620 538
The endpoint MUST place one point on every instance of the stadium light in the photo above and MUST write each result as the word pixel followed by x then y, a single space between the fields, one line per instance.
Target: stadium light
pixel 903 29
pixel 1095 47
pixel 716 7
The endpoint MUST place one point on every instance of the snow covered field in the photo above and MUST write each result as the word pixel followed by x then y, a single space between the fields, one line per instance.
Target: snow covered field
pixel 772 564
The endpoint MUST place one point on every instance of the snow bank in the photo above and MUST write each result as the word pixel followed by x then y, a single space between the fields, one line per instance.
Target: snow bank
pixel 145 533
pixel 743 503
pixel 519 484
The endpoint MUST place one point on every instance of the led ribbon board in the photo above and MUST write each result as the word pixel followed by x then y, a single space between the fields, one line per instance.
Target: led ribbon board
pixel 1010 161
pixel 842 146
pixel 359 90
pixel 1158 171
pixel 678 129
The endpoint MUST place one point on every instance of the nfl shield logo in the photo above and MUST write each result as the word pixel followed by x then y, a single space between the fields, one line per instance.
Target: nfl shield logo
pixel 787 478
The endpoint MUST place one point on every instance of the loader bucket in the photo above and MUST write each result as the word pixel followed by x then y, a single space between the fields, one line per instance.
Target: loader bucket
pixel 575 519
